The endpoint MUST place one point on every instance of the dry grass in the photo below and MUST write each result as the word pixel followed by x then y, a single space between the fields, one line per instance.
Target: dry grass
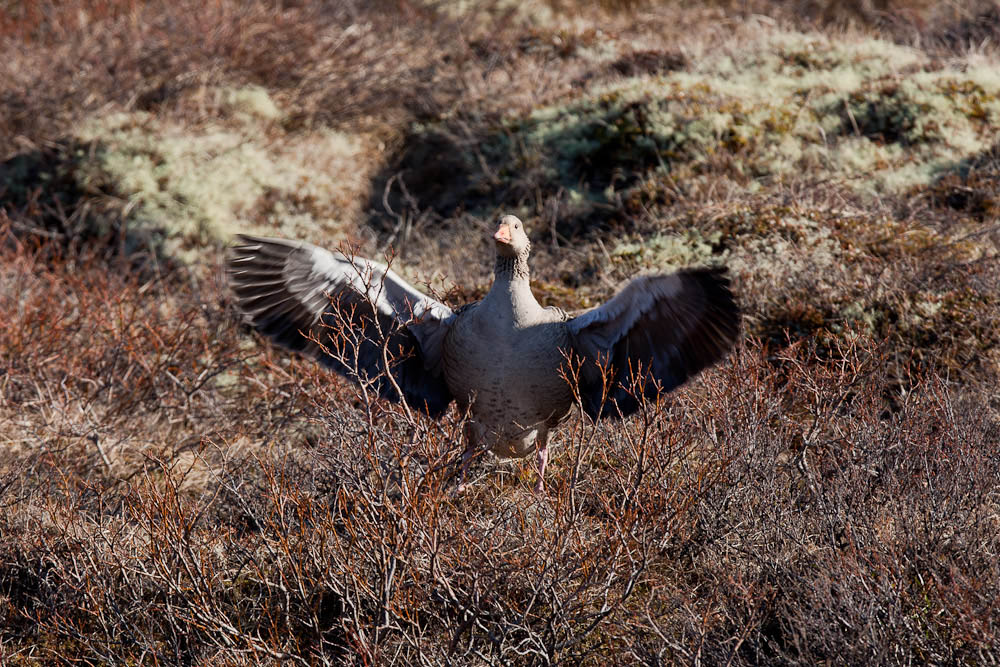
pixel 174 491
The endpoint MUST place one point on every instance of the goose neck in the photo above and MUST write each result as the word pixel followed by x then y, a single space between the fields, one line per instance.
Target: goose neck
pixel 511 269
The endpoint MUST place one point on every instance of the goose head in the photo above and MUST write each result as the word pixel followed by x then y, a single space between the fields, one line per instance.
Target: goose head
pixel 510 237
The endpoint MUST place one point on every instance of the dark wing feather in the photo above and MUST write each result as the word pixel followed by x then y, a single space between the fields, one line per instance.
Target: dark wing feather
pixel 652 336
pixel 292 291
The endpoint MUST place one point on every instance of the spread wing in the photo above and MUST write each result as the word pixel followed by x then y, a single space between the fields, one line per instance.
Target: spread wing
pixel 651 337
pixel 292 291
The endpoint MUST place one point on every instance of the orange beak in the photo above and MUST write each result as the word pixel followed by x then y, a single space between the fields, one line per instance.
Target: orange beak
pixel 503 234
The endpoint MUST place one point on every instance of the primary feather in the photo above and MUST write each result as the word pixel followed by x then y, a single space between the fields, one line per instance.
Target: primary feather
pixel 339 310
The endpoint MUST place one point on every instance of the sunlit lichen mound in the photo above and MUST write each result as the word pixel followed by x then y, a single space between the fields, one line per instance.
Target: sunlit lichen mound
pixel 199 185
pixel 873 116
pixel 178 188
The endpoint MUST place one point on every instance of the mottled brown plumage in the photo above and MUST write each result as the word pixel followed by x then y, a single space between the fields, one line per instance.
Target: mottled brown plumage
pixel 503 358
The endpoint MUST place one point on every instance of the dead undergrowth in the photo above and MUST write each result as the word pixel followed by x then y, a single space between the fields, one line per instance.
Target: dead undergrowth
pixel 176 492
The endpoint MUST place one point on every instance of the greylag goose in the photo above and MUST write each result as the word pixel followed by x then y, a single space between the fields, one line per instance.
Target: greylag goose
pixel 502 359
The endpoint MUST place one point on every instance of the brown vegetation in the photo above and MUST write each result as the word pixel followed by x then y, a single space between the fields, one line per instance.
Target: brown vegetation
pixel 175 492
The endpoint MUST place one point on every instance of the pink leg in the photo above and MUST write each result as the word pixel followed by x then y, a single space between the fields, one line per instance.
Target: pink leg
pixel 542 452
pixel 469 431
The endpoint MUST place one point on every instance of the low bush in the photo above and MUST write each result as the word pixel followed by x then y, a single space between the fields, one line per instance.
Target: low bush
pixel 176 491
pixel 169 497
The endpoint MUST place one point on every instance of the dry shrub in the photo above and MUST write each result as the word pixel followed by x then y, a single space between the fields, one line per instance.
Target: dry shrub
pixel 972 188
pixel 840 535
pixel 777 510
pixel 173 493
pixel 104 364
pixel 328 64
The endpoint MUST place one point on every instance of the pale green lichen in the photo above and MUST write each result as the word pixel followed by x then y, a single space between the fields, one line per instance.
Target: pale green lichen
pixel 793 247
pixel 251 101
pixel 781 63
pixel 196 186
pixel 862 112
pixel 484 12
pixel 663 251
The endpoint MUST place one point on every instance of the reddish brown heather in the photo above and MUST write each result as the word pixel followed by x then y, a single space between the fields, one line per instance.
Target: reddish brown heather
pixel 173 492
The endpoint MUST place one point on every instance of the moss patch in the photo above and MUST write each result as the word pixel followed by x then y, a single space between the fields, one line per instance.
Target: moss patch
pixel 873 116
pixel 201 186
pixel 179 189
